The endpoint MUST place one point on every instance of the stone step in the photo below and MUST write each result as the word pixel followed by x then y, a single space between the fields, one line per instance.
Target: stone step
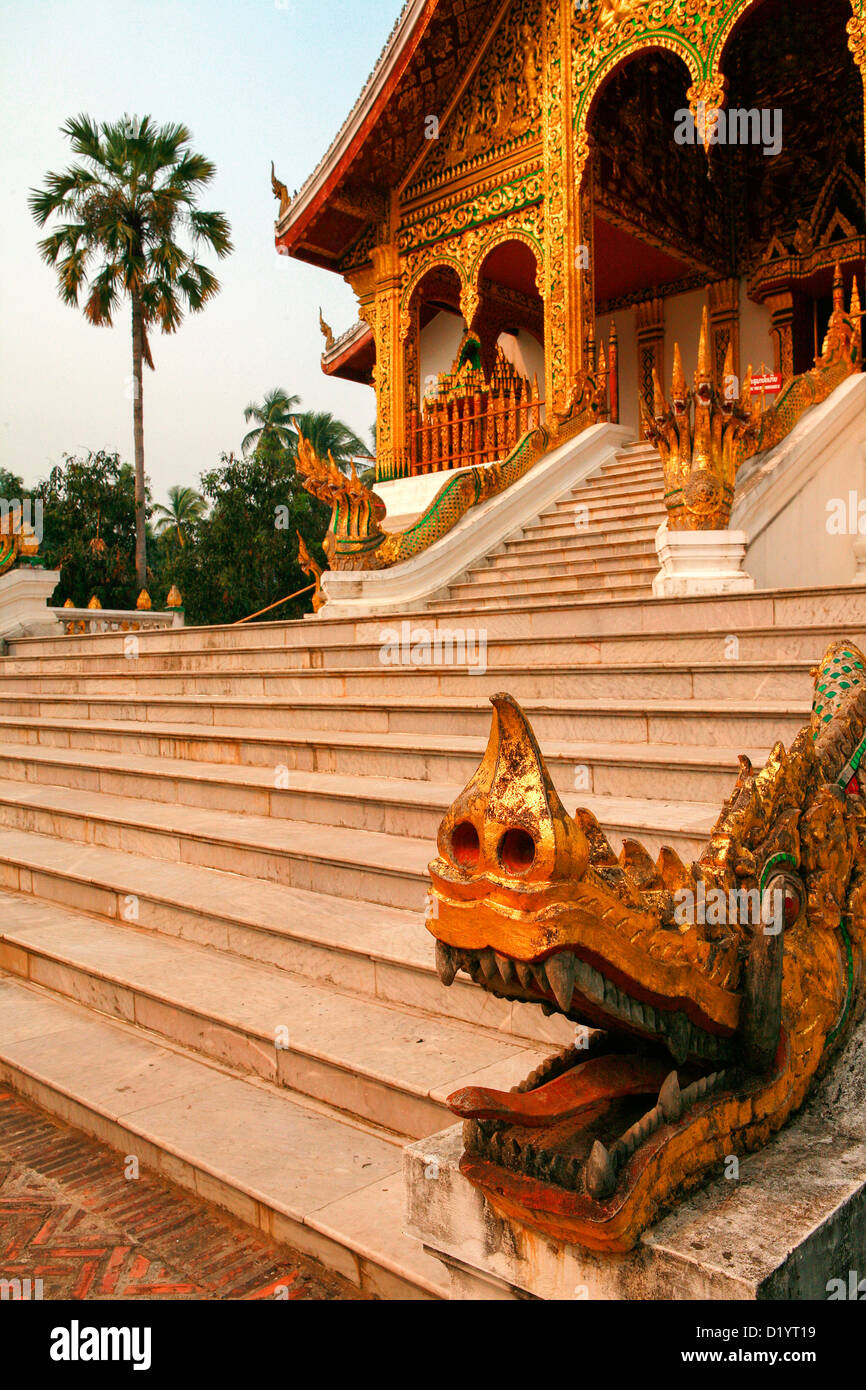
pixel 838 607
pixel 578 548
pixel 574 566
pixel 635 576
pixel 462 673
pixel 835 610
pixel 356 864
pixel 374 951
pixel 596 533
pixel 615 492
pixel 308 1177
pixel 359 796
pixel 597 513
pixel 391 1067
pixel 753 724
pixel 359 779
pixel 506 646
pixel 626 465
pixel 372 866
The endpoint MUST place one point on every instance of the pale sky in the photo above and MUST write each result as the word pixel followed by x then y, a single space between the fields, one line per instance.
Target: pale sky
pixel 253 80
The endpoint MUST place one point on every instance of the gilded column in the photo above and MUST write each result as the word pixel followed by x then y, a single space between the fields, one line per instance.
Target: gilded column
pixel 781 307
pixel 650 318
pixel 724 301
pixel 379 306
pixel 568 221
pixel 857 44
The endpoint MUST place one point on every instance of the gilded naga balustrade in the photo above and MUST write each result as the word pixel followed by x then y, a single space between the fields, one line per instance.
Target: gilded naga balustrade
pixel 356 539
pixel 705 436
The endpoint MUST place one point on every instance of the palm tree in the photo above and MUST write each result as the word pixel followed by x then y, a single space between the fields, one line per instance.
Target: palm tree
pixel 185 506
pixel 275 421
pixel 330 436
pixel 122 211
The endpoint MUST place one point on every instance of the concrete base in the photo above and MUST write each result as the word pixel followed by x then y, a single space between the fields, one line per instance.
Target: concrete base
pixel 24 594
pixel 700 562
pixel 793 1221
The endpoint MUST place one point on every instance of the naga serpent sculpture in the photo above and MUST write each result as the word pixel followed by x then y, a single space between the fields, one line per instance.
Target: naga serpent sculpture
pixel 702 1028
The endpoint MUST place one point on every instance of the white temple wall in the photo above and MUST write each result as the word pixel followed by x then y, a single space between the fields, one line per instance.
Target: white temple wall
pixel 438 344
pixel 626 332
pixel 533 356
pixel 756 344
pixel 683 325
pixel 442 336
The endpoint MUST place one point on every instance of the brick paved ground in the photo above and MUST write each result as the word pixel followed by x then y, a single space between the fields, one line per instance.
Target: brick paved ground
pixel 69 1217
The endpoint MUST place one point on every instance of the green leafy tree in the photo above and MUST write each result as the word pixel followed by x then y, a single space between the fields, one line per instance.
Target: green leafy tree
pixel 11 486
pixel 275 424
pixel 330 436
pixel 243 555
pixel 185 506
pixel 89 519
pixel 129 228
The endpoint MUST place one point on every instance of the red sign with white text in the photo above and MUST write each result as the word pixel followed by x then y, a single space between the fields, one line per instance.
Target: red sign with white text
pixel 770 382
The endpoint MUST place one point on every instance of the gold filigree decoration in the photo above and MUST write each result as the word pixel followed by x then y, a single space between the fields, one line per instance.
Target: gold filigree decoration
pixel 704 437
pixel 752 993
pixel 502 104
pixel 311 568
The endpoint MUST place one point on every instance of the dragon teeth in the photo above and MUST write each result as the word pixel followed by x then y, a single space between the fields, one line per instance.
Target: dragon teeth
pixel 670 1099
pixel 678 1036
pixel 560 974
pixel 600 1172
pixel 487 963
pixel 446 963
pixel 505 967
pixel 524 974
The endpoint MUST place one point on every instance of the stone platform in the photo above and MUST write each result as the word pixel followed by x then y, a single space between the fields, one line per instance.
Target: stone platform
pixel 794 1219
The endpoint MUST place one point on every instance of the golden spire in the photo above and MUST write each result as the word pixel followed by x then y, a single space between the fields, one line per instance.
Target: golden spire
pixel 326 331
pixel 839 288
pixel 728 375
pixel 678 385
pixel 705 364
pixel 659 402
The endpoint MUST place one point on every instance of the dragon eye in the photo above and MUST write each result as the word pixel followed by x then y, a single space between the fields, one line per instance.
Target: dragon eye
pixel 464 844
pixel 783 894
pixel 516 851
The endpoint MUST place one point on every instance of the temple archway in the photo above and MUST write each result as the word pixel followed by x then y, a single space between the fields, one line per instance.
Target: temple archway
pixel 658 217
pixel 800 210
pixel 510 314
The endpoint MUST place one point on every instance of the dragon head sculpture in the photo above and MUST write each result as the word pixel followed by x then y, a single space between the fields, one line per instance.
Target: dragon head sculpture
pixel 708 998
pixel 704 436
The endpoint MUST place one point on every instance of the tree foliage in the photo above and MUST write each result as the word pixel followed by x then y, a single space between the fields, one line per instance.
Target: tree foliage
pixel 244 555
pixel 127 227
pixel 89 530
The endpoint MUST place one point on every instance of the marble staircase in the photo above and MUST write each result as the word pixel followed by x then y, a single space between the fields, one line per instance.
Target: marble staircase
pixel 597 539
pixel 213 852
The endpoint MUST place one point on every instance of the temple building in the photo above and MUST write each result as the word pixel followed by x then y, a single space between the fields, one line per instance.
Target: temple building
pixel 534 191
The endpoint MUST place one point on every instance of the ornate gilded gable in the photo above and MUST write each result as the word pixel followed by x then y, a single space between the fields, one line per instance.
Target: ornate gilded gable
pixel 501 107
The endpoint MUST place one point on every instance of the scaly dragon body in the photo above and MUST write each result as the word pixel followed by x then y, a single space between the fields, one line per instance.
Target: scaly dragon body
pixel 708 998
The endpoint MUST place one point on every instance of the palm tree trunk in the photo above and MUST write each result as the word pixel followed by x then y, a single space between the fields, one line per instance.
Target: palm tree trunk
pixel 138 437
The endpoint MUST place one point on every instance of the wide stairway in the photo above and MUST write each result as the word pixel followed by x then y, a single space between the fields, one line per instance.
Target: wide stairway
pixel 600 539
pixel 213 952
